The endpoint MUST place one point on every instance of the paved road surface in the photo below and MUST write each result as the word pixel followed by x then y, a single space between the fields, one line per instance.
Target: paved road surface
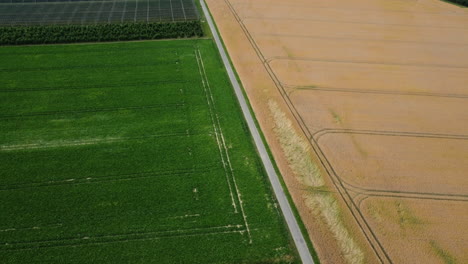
pixel 277 187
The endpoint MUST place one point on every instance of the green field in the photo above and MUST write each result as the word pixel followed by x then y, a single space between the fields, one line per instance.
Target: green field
pixel 129 153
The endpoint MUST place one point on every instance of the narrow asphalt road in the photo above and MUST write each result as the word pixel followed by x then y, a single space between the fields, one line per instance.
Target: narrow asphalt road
pixel 291 221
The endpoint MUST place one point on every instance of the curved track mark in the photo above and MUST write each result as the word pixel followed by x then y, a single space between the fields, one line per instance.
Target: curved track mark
pixel 370 91
pixel 443 66
pixel 354 210
pixel 322 132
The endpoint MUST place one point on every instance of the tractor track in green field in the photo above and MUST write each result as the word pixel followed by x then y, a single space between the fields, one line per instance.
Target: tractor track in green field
pixel 87 67
pixel 74 143
pixel 92 110
pixel 115 238
pixel 110 178
pixel 221 142
pixel 102 86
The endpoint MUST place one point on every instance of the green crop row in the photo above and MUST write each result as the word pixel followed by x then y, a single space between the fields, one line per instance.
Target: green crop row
pixel 47 34
pixel 460 2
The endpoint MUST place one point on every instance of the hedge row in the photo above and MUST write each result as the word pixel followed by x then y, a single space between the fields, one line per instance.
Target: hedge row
pixel 47 34
pixel 460 2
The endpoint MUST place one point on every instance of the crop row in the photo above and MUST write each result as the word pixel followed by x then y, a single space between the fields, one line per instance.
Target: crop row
pixel 47 34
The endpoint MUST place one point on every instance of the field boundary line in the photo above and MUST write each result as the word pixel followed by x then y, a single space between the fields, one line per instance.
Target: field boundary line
pixel 226 150
pixel 285 207
pixel 215 130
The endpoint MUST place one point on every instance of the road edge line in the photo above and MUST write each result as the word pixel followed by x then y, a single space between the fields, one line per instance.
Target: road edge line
pixel 285 207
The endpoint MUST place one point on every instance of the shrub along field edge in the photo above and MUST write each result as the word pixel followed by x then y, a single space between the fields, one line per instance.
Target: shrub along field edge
pixel 459 2
pixel 48 34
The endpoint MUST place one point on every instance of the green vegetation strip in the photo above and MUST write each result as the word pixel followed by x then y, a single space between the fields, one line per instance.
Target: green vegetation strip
pixel 458 2
pixel 129 153
pixel 48 34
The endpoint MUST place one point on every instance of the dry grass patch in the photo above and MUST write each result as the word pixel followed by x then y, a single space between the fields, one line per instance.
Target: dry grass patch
pixel 322 203
pixel 445 256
